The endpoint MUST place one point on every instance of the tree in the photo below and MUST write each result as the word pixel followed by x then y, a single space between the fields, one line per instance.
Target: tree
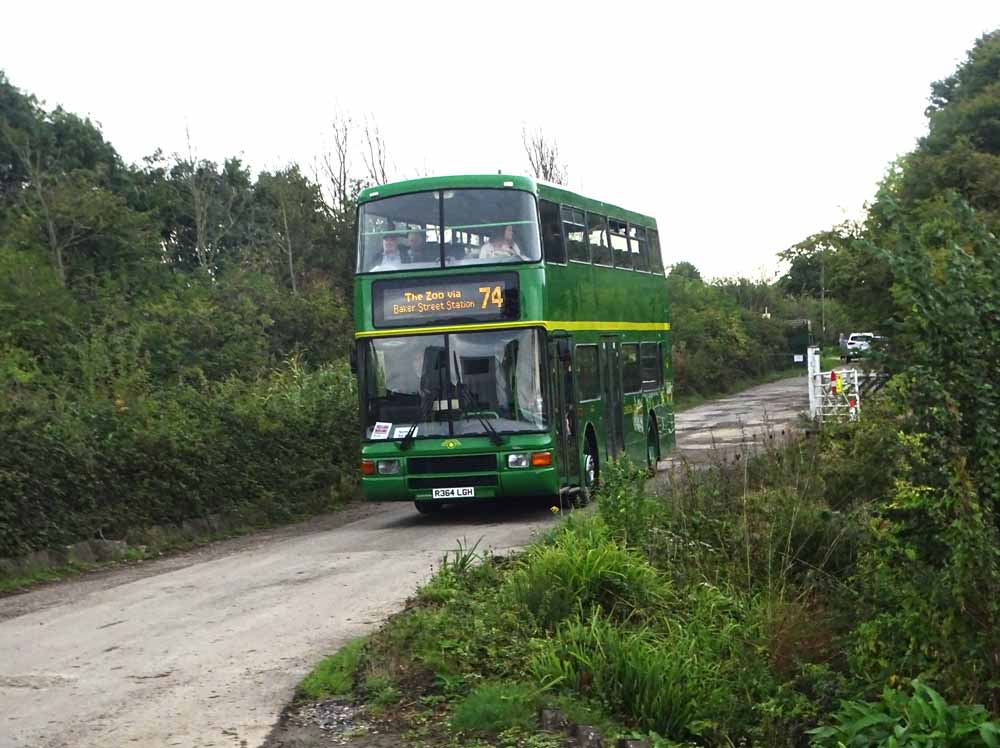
pixel 961 150
pixel 292 222
pixel 74 216
pixel 211 204
pixel 684 270
pixel 375 154
pixel 343 185
pixel 337 166
pixel 543 157
pixel 58 177
pixel 20 120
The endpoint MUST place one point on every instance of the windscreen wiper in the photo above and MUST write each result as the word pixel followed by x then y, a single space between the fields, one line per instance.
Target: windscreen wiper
pixel 425 413
pixel 494 436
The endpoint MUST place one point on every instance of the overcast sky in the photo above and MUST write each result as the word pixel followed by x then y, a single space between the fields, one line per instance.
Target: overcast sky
pixel 742 127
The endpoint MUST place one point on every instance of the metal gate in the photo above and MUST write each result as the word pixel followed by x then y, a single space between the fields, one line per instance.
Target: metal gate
pixel 835 394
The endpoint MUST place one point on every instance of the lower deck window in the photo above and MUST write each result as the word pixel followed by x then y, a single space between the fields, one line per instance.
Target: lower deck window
pixel 652 366
pixel 587 374
pixel 630 367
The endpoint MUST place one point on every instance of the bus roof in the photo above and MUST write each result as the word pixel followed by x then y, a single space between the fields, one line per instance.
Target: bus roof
pixel 544 190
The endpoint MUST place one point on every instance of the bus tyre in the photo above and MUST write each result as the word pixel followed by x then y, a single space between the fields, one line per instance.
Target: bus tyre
pixel 428 507
pixel 590 474
pixel 652 447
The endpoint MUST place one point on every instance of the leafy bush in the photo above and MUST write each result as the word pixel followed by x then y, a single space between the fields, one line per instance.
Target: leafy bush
pixel 692 672
pixel 265 450
pixel 381 690
pixel 929 580
pixel 719 335
pixel 493 708
pixel 624 505
pixel 580 570
pixel 334 675
pixel 898 721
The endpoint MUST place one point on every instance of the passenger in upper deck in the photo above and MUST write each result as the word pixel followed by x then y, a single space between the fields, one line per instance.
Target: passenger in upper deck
pixel 390 258
pixel 501 245
pixel 420 250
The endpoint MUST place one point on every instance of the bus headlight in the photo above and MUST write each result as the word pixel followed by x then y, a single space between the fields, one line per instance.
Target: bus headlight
pixel 518 460
pixel 388 467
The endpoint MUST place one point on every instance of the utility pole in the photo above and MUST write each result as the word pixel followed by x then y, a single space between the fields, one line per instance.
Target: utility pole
pixel 822 292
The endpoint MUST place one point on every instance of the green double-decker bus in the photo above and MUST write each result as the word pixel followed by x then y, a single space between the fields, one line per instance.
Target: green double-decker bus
pixel 512 338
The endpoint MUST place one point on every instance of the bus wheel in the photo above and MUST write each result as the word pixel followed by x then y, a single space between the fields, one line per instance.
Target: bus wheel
pixel 428 507
pixel 652 447
pixel 590 473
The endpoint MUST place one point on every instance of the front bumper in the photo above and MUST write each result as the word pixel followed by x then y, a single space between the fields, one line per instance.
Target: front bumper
pixel 474 462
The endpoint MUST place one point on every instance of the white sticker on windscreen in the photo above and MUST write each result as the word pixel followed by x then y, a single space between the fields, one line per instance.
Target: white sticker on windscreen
pixel 381 430
pixel 402 431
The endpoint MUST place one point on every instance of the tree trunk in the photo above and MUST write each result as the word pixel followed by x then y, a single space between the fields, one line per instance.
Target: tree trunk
pixel 288 248
pixel 50 228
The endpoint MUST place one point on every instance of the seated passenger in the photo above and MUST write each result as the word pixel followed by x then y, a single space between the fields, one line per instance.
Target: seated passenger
pixel 390 257
pixel 501 245
pixel 454 254
pixel 420 250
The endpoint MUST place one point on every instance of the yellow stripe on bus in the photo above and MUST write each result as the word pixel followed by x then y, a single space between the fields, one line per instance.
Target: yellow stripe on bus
pixel 547 324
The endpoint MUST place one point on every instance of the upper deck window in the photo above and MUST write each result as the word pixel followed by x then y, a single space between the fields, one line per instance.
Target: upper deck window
pixel 447 228
pixel 552 238
pixel 640 249
pixel 655 260
pixel 597 232
pixel 575 229
pixel 619 243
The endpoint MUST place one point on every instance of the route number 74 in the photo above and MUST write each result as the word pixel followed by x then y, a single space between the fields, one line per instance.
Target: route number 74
pixel 492 295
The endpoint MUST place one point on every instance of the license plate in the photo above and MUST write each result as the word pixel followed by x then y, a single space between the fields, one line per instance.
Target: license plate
pixel 454 493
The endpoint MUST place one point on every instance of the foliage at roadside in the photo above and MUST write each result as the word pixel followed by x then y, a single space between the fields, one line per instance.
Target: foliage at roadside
pixel 334 675
pixel 901 721
pixel 173 336
pixel 266 450
pixel 730 608
pixel 733 331
pixel 841 590
pixel 925 265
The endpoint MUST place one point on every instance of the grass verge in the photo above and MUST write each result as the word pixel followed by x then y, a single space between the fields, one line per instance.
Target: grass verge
pixel 333 676
pixel 727 611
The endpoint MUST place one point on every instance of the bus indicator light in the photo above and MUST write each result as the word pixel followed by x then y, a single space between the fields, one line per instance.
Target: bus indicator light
pixel 541 459
pixel 368 467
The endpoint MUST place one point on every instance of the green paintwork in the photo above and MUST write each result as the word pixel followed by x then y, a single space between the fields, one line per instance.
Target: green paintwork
pixel 550 294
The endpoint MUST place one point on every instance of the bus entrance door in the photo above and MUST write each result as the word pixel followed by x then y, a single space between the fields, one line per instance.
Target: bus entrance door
pixel 611 393
pixel 561 366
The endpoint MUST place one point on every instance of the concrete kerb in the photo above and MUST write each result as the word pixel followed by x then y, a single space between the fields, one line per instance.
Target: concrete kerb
pixel 89 552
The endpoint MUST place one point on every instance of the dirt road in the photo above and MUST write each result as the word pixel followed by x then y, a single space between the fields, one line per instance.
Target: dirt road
pixel 742 419
pixel 205 648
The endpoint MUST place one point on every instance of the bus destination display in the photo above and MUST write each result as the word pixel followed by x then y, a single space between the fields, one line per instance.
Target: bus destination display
pixel 417 302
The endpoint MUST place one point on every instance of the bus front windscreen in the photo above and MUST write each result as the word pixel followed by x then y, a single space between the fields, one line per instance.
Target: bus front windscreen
pixel 447 228
pixel 449 385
